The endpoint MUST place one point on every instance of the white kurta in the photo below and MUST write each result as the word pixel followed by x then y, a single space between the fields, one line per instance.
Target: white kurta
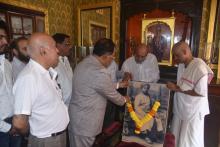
pixel 6 96
pixel 147 71
pixel 65 76
pixel 17 66
pixel 189 111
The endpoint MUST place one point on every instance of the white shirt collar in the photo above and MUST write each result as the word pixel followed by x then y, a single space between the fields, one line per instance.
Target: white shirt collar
pixel 53 74
pixel 19 62
pixel 2 57
pixel 62 58
pixel 38 66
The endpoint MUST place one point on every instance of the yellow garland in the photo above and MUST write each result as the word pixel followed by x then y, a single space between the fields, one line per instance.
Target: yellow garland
pixel 139 123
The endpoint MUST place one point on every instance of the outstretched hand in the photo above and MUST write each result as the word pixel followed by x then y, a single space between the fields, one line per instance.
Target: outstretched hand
pixel 127 76
pixel 127 99
pixel 173 86
pixel 123 84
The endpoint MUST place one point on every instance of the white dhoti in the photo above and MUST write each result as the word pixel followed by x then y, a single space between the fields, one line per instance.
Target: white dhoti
pixel 189 111
pixel 188 133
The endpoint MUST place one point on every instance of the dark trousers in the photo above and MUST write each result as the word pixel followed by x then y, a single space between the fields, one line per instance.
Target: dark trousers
pixel 7 140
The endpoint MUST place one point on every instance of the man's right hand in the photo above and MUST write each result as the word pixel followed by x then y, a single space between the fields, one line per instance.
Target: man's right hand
pixel 20 124
pixel 123 84
pixel 127 99
pixel 127 76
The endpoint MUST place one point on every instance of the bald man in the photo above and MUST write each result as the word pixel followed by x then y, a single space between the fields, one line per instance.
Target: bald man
pixel 190 99
pixel 143 66
pixel 38 99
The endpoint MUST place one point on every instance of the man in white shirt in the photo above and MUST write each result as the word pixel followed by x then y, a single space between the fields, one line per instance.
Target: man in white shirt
pixel 6 96
pixel 38 98
pixel 20 59
pixel 143 66
pixel 64 70
pixel 191 97
pixel 116 76
pixel 112 70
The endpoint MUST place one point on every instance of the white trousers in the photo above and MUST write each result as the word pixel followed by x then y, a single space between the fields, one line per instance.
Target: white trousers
pixel 188 133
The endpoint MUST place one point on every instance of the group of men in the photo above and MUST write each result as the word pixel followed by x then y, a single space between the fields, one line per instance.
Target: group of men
pixel 33 97
pixel 46 96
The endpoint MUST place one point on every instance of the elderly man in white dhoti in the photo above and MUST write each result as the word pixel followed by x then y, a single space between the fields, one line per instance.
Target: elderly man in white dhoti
pixel 190 99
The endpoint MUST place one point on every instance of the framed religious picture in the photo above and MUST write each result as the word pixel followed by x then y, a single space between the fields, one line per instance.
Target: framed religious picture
pixel 158 34
pixel 145 119
pixel 16 22
pixel 40 24
pixel 211 52
pixel 27 25
pixel 96 32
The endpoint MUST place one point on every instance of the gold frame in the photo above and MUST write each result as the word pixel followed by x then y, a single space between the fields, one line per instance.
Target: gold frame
pixel 210 38
pixel 31 7
pixel 213 10
pixel 96 6
pixel 97 24
pixel 171 23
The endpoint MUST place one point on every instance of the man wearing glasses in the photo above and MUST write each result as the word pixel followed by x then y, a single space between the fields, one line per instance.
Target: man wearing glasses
pixel 65 73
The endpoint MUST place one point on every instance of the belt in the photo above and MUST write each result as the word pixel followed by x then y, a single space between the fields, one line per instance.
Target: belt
pixel 58 133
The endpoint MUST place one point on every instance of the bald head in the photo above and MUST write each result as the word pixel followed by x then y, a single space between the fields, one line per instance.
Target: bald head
pixel 183 46
pixel 36 42
pixel 141 53
pixel 42 48
pixel 182 53
pixel 142 48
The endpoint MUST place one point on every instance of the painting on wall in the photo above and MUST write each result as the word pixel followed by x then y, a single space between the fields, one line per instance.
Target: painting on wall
pixel 16 22
pixel 146 115
pixel 40 24
pixel 158 34
pixel 27 25
pixel 97 32
pixel 95 22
